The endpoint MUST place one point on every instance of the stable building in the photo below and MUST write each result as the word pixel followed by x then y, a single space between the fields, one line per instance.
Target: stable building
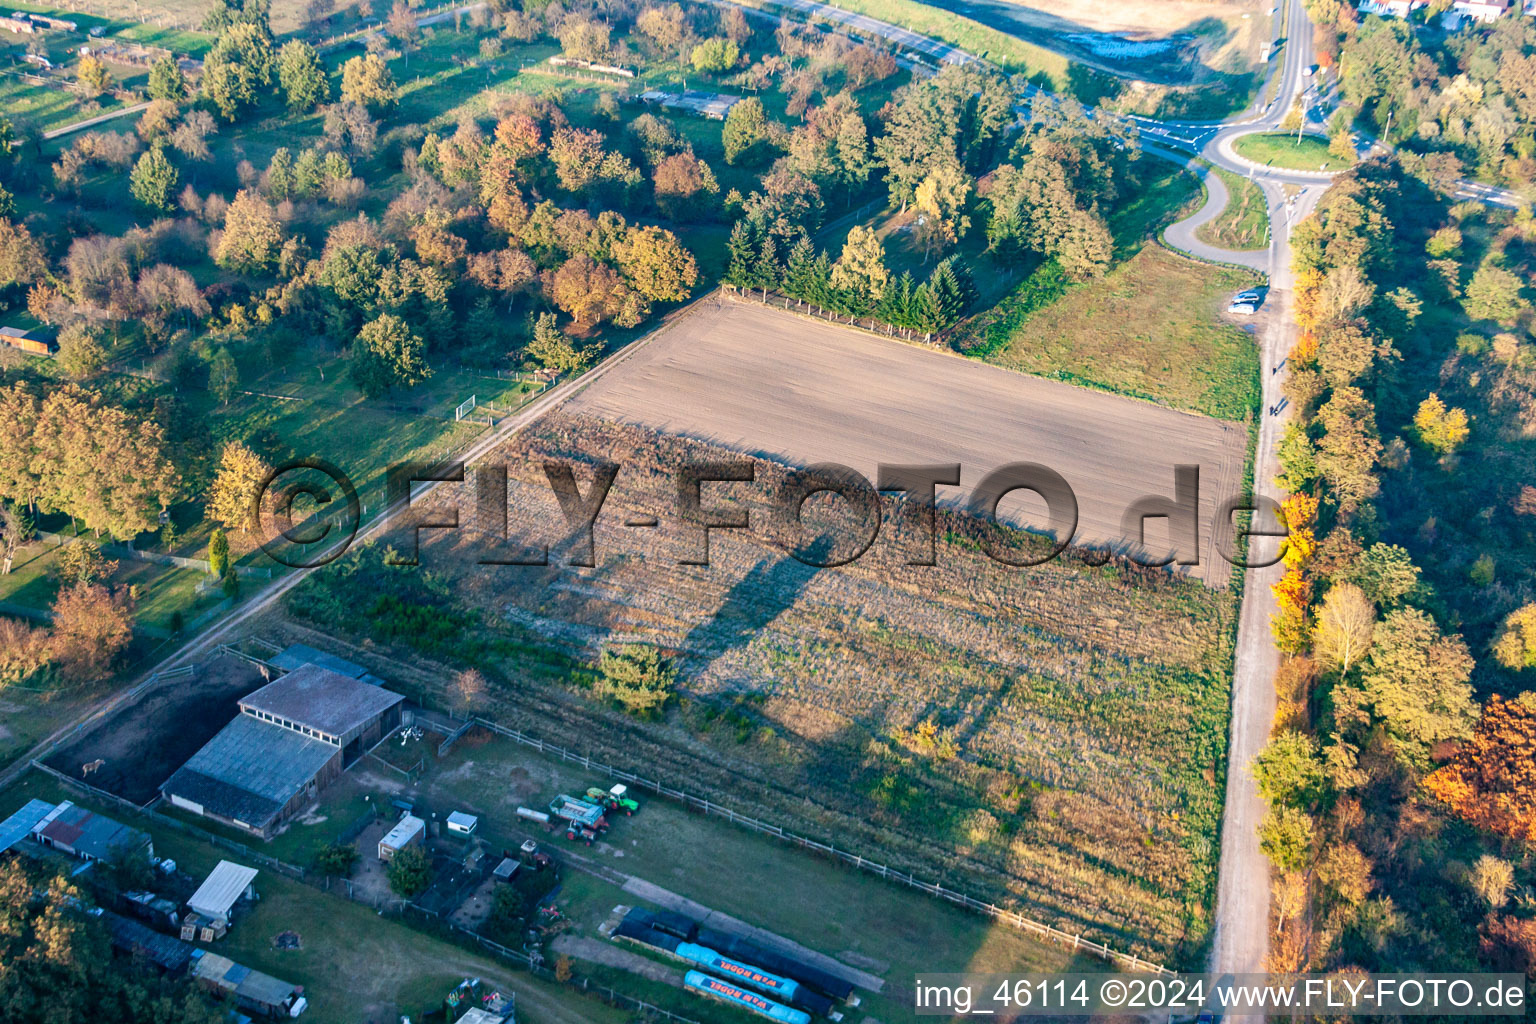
pixel 291 738
pixel 90 836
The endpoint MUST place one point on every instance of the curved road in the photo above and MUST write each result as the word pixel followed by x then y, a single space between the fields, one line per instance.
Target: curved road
pixel 1242 909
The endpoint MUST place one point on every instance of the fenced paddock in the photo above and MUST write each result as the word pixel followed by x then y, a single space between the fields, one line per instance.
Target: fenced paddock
pixel 712 808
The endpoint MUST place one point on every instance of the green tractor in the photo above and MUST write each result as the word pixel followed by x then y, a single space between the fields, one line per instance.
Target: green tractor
pixel 615 799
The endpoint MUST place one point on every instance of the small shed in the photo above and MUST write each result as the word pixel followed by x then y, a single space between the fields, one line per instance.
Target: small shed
pixel 506 870
pixel 225 885
pixel 463 824
pixel 408 831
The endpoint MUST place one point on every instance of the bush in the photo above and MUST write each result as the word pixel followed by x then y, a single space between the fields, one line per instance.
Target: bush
pixel 409 872
pixel 637 677
pixel 338 860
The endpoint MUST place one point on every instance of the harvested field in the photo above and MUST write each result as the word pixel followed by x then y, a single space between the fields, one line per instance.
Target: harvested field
pixel 143 744
pixel 768 382
pixel 1050 738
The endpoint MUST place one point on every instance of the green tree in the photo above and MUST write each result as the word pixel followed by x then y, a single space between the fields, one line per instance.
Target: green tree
pixel 766 272
pixel 1289 771
pixel 81 353
pixel 800 268
pixel 302 77
pixel 746 126
pixel 409 872
pixel 166 82
pixel 1286 837
pixel 1417 679
pixel 388 354
pixel 223 375
pixel 714 56
pixel 552 348
pixel 282 180
pixel 637 677
pixel 153 181
pixel 739 253
pixel 1494 294
pixel 218 552
pixel 656 264
pixel 336 860
pixel 1385 572
pixel 238 69
pixel 366 80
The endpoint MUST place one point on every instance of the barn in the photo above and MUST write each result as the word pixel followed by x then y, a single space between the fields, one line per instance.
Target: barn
pixel 291 738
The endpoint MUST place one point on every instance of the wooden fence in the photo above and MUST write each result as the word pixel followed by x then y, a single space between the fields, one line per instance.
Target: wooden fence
pixel 413 914
pixel 708 807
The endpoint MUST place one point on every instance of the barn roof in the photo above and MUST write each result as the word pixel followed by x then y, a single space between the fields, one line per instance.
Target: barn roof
pixel 322 699
pixel 19 825
pixel 250 770
pixel 297 655
pixel 87 833
pixel 224 885
pixel 169 952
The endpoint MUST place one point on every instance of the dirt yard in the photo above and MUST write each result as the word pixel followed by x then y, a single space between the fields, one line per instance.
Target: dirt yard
pixel 772 383
pixel 141 746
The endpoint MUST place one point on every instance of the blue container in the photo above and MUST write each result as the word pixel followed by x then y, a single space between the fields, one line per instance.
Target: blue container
pixel 738 996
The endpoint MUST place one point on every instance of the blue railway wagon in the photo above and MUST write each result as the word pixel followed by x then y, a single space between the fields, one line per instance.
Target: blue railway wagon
pixel 747 1000
pixel 783 989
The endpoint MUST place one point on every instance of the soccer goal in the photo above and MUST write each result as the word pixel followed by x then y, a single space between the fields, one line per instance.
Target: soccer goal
pixel 465 408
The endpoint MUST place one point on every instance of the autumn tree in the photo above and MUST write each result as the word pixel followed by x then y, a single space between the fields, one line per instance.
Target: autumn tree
pixel 21 258
pixel 236 484
pixel 860 270
pixel 940 200
pixel 656 264
pixel 469 689
pixel 1440 429
pixel 93 76
pixel 100 464
pixel 1491 879
pixel 91 627
pixel 301 75
pixel 83 562
pixel 683 183
pixel 1350 446
pixel 578 158
pixel 1515 645
pixel 81 353
pixel 1345 873
pixel 589 291
pixel 252 235
pixel 25 650
pixel 1491 782
pixel 388 354
pixel 585 39
pixel 1416 678
pixel 1345 624
pixel 366 81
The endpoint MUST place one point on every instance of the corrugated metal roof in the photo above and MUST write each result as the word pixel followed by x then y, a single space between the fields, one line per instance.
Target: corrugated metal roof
pixel 19 825
pixel 322 699
pixel 224 885
pixel 250 770
pixel 404 831
pixel 459 819
pixel 303 654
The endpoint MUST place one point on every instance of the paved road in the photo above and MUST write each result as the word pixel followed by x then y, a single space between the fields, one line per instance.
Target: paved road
pixel 91 122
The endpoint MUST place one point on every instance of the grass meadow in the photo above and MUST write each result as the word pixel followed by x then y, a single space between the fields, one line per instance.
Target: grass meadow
pixel 1243 225
pixel 1274 149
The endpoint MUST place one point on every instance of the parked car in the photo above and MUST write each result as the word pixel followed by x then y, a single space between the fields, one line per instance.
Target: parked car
pixel 1251 295
pixel 1309 71
pixel 1245 308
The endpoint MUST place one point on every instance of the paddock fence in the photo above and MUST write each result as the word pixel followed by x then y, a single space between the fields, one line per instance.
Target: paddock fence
pixel 1075 942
